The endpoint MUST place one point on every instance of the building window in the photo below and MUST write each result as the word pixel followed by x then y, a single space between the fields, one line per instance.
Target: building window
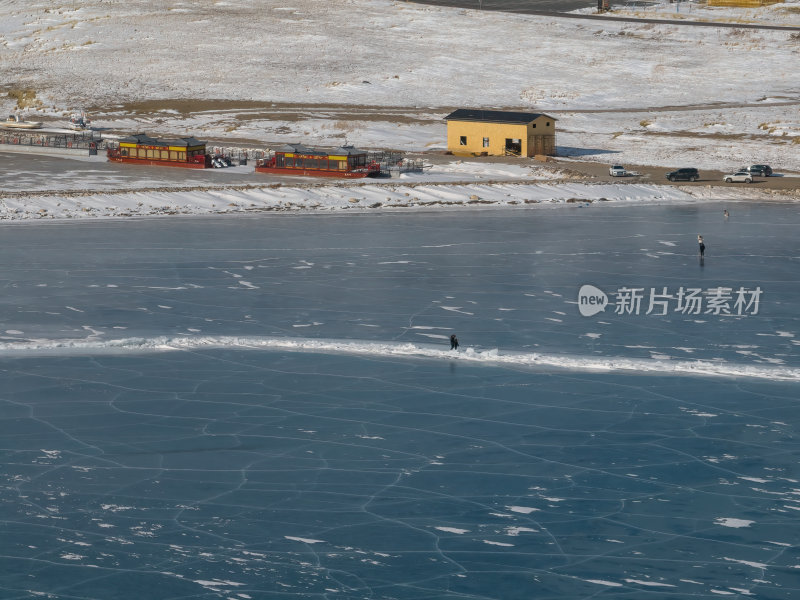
pixel 547 124
pixel 485 142
pixel 462 141
pixel 534 126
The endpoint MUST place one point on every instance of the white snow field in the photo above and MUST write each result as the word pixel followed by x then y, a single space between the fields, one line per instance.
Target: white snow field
pixel 678 94
pixel 376 52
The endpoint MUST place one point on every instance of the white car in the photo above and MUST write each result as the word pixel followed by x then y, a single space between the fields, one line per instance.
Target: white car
pixel 617 171
pixel 739 177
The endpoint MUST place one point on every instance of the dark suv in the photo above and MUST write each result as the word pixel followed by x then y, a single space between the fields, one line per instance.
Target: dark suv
pixel 762 170
pixel 686 174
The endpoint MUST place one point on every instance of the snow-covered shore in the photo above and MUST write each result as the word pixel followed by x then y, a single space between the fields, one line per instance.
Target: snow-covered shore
pixel 56 189
pixel 357 197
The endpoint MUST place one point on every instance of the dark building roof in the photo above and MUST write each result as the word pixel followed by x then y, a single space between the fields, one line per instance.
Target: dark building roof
pixel 494 116
pixel 301 149
pixel 145 140
pixel 298 149
pixel 139 138
pixel 347 151
pixel 187 141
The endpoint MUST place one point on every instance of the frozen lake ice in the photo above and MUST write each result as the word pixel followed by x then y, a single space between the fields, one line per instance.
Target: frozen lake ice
pixel 265 407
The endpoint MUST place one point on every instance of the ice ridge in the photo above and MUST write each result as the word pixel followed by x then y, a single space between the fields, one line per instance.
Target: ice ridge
pixel 138 345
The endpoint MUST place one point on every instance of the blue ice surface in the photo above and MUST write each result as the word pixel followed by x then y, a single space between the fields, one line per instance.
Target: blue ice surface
pixel 506 279
pixel 239 473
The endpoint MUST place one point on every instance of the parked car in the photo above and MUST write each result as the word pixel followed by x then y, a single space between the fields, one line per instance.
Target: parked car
pixel 617 171
pixel 762 170
pixel 685 174
pixel 739 177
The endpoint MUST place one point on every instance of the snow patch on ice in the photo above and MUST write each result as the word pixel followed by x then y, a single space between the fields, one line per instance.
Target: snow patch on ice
pixel 731 522
pixel 604 582
pixel 492 543
pixel 452 530
pixel 525 510
pixel 304 540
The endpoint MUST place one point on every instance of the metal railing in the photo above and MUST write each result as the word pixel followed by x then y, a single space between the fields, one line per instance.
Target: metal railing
pixel 391 162
pixel 77 141
pixel 395 162
pixel 238 155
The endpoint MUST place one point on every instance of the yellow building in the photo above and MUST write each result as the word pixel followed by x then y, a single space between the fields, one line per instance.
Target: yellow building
pixel 498 133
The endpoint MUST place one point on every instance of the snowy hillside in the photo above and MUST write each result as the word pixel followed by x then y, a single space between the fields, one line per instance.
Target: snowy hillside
pixel 379 52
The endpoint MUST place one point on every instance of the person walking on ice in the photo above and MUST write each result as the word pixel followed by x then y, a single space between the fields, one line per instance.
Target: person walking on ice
pixel 453 342
pixel 702 246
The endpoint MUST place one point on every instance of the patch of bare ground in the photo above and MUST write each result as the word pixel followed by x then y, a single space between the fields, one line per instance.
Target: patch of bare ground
pixel 760 103
pixel 247 110
pixel 715 136
pixel 290 111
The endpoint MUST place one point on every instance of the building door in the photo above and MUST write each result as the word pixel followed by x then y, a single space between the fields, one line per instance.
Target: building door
pixel 513 146
pixel 541 145
pixel 537 147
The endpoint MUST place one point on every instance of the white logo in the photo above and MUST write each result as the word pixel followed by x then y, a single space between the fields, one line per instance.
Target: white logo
pixel 661 301
pixel 591 300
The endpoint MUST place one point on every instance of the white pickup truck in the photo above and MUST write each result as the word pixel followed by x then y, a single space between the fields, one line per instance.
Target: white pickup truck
pixel 617 171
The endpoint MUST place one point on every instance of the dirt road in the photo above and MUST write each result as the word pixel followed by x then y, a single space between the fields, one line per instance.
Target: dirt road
pixel 598 172
pixel 551 8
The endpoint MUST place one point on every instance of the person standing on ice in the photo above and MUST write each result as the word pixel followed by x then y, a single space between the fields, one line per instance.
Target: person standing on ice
pixel 702 246
pixel 453 342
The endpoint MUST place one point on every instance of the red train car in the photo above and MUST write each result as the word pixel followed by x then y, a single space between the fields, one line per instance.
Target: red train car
pixel 296 159
pixel 141 149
